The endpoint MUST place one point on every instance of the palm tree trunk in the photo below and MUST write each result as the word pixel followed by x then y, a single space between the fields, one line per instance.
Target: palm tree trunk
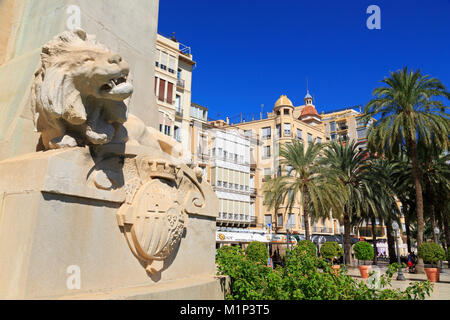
pixel 306 215
pixel 391 242
pixel 408 234
pixel 347 243
pixel 374 239
pixel 307 229
pixel 419 197
pixel 446 230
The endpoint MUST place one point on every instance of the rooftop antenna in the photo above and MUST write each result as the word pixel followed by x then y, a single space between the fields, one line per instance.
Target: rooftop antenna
pixel 261 114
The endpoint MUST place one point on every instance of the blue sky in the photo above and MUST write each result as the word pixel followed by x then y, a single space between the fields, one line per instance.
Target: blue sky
pixel 248 52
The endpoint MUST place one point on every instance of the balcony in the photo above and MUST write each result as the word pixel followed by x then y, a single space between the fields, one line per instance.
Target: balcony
pixel 179 113
pixel 234 219
pixel 181 83
pixel 322 230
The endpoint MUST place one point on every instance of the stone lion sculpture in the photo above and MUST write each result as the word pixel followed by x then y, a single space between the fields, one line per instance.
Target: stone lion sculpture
pixel 79 94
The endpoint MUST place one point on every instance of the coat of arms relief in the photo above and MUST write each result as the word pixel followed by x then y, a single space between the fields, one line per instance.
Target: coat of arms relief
pixel 79 99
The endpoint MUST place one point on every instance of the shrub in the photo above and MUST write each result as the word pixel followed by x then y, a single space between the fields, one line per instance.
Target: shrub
pixel 257 252
pixel 431 252
pixel 331 250
pixel 307 247
pixel 363 251
pixel 301 279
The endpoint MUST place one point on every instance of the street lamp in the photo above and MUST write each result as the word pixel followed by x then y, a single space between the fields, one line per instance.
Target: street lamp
pixel 341 230
pixel 396 228
pixel 436 232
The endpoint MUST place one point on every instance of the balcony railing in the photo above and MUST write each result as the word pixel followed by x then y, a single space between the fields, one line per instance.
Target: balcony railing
pixel 181 83
pixel 179 113
pixel 236 218
pixel 322 230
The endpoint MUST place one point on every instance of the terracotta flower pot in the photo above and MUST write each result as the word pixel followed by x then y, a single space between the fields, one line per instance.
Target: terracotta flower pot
pixel 336 269
pixel 432 274
pixel 364 270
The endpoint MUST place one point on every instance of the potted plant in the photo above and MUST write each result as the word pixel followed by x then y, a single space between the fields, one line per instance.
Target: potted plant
pixel 431 253
pixel 363 251
pixel 331 250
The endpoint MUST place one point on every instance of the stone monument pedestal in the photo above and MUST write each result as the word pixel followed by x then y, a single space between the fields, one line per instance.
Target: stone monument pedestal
pixel 63 237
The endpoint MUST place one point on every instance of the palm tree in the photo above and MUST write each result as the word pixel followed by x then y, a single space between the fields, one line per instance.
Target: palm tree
pixel 349 165
pixel 307 183
pixel 380 197
pixel 411 109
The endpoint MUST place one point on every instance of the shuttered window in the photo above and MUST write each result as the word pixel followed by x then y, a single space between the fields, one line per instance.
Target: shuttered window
pixel 169 93
pixel 162 89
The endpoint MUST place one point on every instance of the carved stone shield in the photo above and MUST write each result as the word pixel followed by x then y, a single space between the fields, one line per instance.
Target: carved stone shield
pixel 159 196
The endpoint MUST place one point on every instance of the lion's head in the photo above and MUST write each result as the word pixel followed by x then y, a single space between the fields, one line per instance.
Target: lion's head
pixel 80 83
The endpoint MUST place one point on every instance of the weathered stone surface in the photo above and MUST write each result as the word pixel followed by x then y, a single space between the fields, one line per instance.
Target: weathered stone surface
pixel 28 25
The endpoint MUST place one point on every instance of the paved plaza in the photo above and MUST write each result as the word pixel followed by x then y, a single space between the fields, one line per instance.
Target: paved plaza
pixel 441 289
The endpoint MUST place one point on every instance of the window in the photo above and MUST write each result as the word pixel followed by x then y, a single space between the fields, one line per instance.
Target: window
pixel 280 220
pixel 360 122
pixel 286 112
pixel 172 64
pixel 291 221
pixel 279 130
pixel 362 133
pixel 332 126
pixel 268 220
pixel 319 140
pixel 162 90
pixel 167 130
pixel 157 54
pixel 178 104
pixel 299 134
pixel 266 133
pixel 179 74
pixel 310 138
pixel 279 171
pixel 177 134
pixel 164 60
pixel 287 129
pixel 289 171
pixel 334 136
pixel 267 173
pixel 169 93
pixel 266 152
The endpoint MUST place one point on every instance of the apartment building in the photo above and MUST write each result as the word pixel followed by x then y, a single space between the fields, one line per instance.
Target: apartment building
pixel 173 82
pixel 283 124
pixel 346 124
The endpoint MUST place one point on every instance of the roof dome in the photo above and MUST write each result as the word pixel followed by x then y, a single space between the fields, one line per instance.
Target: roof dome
pixel 309 111
pixel 283 102
pixel 308 96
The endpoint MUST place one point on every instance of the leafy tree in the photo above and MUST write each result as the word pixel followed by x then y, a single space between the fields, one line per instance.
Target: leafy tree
pixel 363 251
pixel 411 109
pixel 330 250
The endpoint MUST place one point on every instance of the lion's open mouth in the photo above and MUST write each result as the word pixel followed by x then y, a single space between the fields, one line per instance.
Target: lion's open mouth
pixel 117 88
pixel 113 83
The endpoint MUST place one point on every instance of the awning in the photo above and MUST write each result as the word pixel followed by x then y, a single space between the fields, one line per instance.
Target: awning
pixel 282 239
pixel 241 237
